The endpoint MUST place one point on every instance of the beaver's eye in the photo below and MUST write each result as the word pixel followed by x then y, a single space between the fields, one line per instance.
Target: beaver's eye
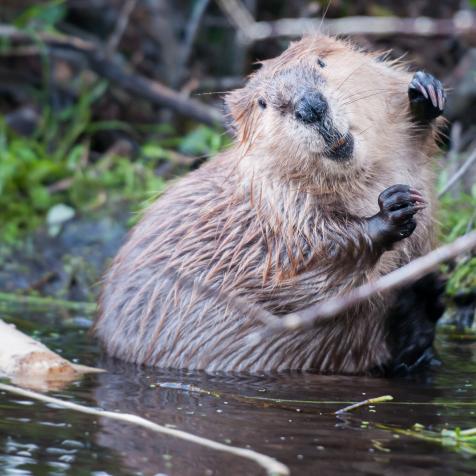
pixel 262 103
pixel 321 63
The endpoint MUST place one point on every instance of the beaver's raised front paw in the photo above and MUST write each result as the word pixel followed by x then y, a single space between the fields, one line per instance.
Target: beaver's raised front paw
pixel 395 221
pixel 427 97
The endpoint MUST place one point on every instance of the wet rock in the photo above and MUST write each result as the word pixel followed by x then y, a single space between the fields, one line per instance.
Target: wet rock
pixel 68 265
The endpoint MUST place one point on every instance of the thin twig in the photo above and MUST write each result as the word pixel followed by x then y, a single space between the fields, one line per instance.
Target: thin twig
pixel 272 466
pixel 459 173
pixel 121 26
pixel 445 403
pixel 322 312
pixel 369 401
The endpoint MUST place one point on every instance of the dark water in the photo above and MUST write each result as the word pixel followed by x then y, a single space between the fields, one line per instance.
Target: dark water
pixel 300 429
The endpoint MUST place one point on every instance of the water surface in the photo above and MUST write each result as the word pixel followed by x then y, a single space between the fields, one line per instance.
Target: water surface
pixel 289 417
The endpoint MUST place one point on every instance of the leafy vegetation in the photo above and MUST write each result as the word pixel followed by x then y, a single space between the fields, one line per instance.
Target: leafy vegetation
pixel 42 16
pixel 60 164
pixel 57 165
pixel 457 216
pixel 461 441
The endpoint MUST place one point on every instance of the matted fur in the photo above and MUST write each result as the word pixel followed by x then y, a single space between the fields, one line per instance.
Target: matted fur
pixel 275 223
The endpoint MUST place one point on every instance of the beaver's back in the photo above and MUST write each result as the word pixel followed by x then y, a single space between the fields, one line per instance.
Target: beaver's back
pixel 279 221
pixel 177 293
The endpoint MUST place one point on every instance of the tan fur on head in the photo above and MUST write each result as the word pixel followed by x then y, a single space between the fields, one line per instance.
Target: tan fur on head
pixel 367 98
pixel 277 223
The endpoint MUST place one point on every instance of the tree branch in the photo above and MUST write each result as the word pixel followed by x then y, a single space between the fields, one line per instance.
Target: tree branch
pixel 240 18
pixel 190 35
pixel 462 23
pixel 322 312
pixel 134 83
pixel 121 26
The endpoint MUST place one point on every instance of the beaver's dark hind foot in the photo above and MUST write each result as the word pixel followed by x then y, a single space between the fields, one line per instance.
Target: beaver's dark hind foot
pixel 411 325
pixel 427 97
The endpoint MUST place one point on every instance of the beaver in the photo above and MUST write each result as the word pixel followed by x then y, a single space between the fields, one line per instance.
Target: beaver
pixel 327 185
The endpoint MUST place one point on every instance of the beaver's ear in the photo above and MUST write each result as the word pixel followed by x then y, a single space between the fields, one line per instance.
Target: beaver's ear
pixel 241 112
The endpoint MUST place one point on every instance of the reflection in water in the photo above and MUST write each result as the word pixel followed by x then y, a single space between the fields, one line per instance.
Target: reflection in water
pixel 286 416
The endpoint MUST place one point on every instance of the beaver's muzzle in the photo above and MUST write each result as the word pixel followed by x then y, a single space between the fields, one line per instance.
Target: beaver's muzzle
pixel 341 149
pixel 311 108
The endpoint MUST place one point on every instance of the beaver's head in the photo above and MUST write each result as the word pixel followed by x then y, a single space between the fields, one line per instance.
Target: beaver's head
pixel 321 107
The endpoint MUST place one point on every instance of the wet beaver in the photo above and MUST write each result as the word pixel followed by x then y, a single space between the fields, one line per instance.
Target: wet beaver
pixel 318 194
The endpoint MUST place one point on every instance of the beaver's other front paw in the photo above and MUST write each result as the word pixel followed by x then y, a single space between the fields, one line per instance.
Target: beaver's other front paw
pixel 395 221
pixel 427 97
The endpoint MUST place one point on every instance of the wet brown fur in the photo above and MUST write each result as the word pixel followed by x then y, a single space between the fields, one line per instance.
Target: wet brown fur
pixel 273 222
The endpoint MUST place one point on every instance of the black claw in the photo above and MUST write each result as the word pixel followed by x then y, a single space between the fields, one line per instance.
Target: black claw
pixel 427 97
pixel 396 219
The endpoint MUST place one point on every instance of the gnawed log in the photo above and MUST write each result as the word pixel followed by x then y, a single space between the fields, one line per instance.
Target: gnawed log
pixel 30 363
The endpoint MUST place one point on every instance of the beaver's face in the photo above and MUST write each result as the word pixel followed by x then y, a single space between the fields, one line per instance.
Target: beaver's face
pixel 320 106
pixel 296 101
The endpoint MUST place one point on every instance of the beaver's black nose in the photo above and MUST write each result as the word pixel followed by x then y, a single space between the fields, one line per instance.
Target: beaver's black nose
pixel 311 108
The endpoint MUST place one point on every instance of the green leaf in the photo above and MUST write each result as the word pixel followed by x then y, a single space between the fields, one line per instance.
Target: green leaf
pixel 43 16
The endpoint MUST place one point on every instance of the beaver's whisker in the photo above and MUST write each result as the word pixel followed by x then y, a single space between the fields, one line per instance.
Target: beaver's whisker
pixel 349 75
pixel 324 14
pixel 350 96
pixel 359 99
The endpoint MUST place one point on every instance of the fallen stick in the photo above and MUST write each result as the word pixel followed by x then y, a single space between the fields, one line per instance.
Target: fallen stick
pixel 134 83
pixel 322 312
pixel 272 466
pixel 30 363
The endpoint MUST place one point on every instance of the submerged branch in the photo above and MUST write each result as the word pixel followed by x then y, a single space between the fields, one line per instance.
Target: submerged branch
pixel 369 401
pixel 445 403
pixel 272 466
